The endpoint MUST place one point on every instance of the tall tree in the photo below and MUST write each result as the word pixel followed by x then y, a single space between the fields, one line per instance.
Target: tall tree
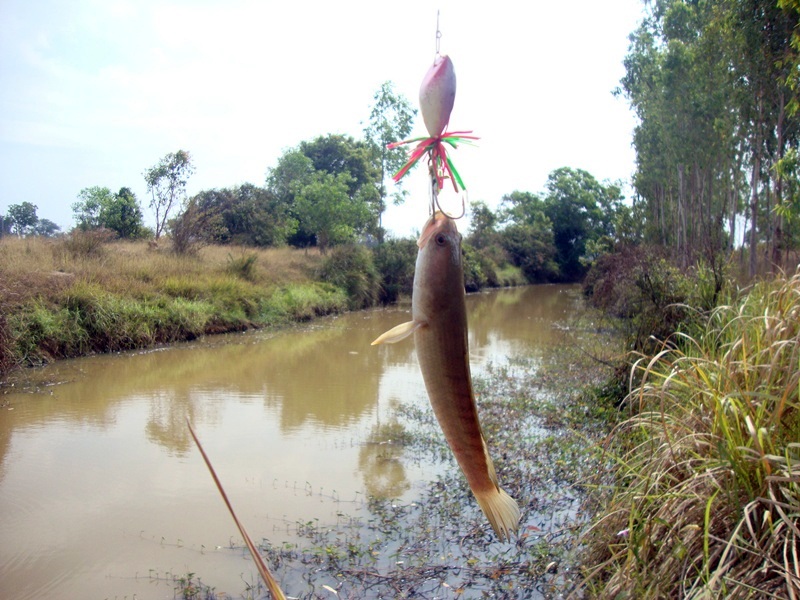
pixel 711 83
pixel 23 216
pixel 302 174
pixel 340 154
pixel 166 183
pixel 391 119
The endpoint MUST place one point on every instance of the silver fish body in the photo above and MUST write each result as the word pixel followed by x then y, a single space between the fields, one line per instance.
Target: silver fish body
pixel 439 327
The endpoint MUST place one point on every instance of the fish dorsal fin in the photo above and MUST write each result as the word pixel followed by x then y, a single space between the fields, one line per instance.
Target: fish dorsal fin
pixel 396 334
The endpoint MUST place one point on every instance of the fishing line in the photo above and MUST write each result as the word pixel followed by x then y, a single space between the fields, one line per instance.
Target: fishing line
pixel 438 37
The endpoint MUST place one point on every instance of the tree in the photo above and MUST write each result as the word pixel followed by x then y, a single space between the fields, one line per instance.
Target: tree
pixel 245 214
pixel 86 211
pixel 483 225
pixel 46 228
pixel 581 210
pixel 340 154
pixel 166 183
pixel 23 217
pixel 122 213
pixel 5 225
pixel 313 175
pixel 714 85
pixel 390 120
pixel 98 207
pixel 326 209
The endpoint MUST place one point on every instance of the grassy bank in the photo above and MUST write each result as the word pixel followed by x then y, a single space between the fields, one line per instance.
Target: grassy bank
pixel 70 297
pixel 704 497
pixel 83 294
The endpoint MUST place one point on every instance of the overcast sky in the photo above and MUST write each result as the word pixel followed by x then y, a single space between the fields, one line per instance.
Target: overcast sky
pixel 93 92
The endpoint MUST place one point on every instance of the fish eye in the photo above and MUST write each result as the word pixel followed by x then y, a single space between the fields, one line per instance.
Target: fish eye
pixel 441 239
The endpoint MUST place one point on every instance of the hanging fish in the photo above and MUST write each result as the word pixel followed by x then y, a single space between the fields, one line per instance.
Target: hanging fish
pixel 439 326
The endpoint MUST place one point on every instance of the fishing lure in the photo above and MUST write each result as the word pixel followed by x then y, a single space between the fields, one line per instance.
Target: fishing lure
pixel 437 95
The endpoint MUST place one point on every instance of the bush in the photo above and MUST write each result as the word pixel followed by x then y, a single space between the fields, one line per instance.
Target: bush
pixel 352 269
pixel 639 284
pixel 84 244
pixel 479 270
pixel 244 266
pixel 395 261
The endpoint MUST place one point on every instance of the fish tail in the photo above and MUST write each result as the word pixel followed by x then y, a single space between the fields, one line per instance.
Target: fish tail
pixel 501 510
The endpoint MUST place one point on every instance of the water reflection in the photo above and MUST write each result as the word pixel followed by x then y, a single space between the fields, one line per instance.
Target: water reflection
pixel 97 451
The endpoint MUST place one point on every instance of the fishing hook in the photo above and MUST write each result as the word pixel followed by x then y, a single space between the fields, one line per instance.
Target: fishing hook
pixel 434 190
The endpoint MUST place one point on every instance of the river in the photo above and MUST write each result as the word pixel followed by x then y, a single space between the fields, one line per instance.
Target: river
pixel 103 494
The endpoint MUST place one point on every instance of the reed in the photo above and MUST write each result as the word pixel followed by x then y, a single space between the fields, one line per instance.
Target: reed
pixel 705 497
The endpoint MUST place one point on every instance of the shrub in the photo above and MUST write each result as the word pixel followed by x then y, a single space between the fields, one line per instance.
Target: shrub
pixel 351 268
pixel 639 284
pixel 84 244
pixel 395 260
pixel 244 266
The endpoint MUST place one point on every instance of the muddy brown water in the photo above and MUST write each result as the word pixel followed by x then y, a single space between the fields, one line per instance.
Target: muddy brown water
pixel 103 495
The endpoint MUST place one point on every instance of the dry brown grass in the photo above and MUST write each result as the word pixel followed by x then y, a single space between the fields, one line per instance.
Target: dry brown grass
pixel 38 267
pixel 80 294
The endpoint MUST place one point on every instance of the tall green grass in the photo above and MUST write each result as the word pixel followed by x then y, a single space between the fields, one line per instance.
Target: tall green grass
pixel 705 500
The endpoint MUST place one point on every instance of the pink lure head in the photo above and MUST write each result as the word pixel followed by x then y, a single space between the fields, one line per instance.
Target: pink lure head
pixel 437 94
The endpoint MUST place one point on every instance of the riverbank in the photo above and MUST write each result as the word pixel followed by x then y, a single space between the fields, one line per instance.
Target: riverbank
pixel 72 297
pixel 81 294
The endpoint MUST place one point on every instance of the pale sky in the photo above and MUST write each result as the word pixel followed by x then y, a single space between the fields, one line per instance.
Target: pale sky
pixel 93 92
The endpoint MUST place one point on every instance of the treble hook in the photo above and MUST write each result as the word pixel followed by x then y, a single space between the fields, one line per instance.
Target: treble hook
pixel 435 198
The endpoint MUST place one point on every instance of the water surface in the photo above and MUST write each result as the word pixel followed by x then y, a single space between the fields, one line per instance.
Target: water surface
pixel 103 495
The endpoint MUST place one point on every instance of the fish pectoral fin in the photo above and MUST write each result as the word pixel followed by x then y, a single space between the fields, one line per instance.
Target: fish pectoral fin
pixel 396 334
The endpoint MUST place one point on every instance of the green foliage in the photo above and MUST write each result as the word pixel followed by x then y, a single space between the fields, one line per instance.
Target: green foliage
pixel 300 302
pixel 98 208
pixel 23 217
pixel 351 268
pixel 395 260
pixel 479 270
pixel 391 120
pixel 325 209
pixel 582 212
pixel 330 187
pixel 530 247
pixel 45 228
pixel 641 285
pixel 123 215
pixel 246 215
pixel 714 87
pixel 483 225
